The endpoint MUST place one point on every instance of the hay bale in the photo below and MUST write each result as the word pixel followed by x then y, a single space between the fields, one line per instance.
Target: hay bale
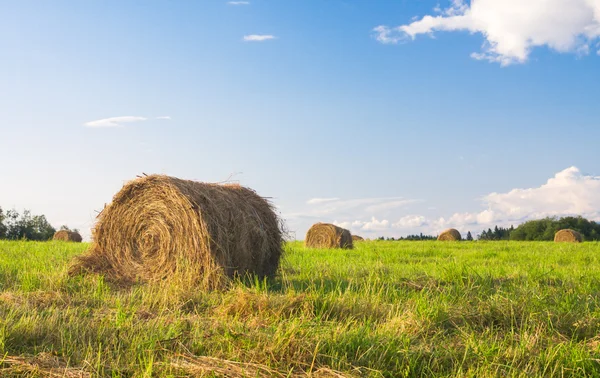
pixel 159 226
pixel 69 236
pixel 450 234
pixel 568 236
pixel 357 238
pixel 326 235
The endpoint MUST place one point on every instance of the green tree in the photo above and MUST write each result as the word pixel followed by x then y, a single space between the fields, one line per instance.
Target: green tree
pixel 544 229
pixel 2 225
pixel 469 236
pixel 28 227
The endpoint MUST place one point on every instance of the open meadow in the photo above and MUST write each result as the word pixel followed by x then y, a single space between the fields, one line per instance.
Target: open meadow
pixel 391 309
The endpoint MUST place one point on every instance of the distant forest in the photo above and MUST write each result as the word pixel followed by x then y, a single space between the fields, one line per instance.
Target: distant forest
pixel 25 226
pixel 534 230
pixel 15 226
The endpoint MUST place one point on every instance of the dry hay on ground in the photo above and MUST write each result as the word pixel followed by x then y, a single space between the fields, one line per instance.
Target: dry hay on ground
pixel 42 365
pixel 326 235
pixel 66 235
pixel 450 234
pixel 357 238
pixel 159 226
pixel 567 235
pixel 205 366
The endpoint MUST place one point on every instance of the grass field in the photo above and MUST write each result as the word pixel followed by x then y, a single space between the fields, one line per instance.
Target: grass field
pixel 392 309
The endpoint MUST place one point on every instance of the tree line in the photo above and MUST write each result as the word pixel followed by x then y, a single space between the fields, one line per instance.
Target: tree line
pixel 534 230
pixel 544 230
pixel 15 226
pixel 410 237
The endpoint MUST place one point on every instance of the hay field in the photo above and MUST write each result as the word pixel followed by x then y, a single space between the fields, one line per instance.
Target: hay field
pixel 391 309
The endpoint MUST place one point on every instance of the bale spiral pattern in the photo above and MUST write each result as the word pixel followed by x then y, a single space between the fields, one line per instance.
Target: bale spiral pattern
pixel 158 226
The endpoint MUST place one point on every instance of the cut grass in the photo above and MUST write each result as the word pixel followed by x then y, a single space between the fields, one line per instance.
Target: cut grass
pixel 393 309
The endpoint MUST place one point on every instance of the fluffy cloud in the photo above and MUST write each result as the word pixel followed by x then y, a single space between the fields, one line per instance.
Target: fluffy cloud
pixel 258 37
pixel 411 221
pixel 569 192
pixel 114 121
pixel 371 225
pixel 238 2
pixel 511 28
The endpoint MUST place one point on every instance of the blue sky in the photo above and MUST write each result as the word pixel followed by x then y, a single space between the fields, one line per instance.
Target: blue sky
pixel 387 117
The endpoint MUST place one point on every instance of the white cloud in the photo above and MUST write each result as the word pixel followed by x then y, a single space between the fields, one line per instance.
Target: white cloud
pixel 258 37
pixel 316 201
pixel 371 225
pixel 164 117
pixel 336 207
pixel 389 205
pixel 568 193
pixel 114 121
pixel 238 2
pixel 511 28
pixel 360 215
pixel 411 221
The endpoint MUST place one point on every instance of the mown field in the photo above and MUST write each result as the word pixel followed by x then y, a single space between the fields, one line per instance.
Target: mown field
pixel 391 309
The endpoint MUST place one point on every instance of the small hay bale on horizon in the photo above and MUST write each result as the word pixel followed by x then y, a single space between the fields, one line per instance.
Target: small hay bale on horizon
pixel 68 236
pixel 327 235
pixel 450 234
pixel 568 236
pixel 158 227
pixel 357 238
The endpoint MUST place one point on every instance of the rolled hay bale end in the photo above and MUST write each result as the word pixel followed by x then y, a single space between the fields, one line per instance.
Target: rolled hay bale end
pixel 568 236
pixel 357 238
pixel 326 235
pixel 450 234
pixel 158 227
pixel 68 236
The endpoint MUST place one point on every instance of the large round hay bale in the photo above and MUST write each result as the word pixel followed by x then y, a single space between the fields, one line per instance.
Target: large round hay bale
pixel 69 236
pixel 326 235
pixel 357 238
pixel 450 234
pixel 568 236
pixel 159 226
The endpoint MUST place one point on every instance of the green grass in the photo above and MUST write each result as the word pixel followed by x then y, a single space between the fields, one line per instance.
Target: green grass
pixel 392 309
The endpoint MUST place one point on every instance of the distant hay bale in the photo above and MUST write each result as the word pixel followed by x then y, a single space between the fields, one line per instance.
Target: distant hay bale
pixel 326 235
pixel 159 226
pixel 568 236
pixel 69 236
pixel 357 238
pixel 450 234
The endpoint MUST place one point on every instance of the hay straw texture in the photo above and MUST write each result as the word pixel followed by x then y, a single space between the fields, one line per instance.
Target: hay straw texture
pixel 326 235
pixel 569 236
pixel 357 238
pixel 450 234
pixel 159 226
pixel 69 236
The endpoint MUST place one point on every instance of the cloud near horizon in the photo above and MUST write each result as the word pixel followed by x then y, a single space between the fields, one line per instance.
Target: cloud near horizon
pixel 258 37
pixel 568 193
pixel 511 28
pixel 118 121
